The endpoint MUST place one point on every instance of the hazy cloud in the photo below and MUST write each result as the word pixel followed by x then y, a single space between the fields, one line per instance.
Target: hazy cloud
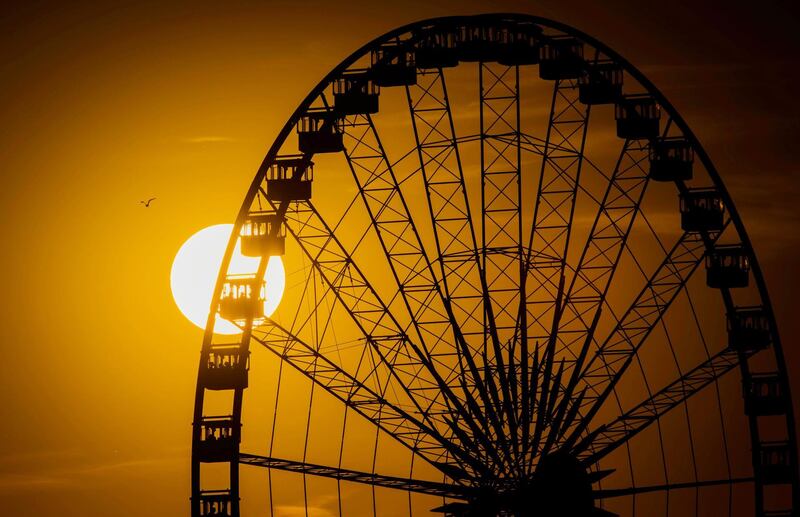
pixel 58 469
pixel 301 511
pixel 208 139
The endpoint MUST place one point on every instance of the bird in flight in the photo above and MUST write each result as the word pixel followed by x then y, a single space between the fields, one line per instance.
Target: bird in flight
pixel 147 203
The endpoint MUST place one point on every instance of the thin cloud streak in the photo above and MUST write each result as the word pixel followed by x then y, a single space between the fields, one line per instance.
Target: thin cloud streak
pixel 208 139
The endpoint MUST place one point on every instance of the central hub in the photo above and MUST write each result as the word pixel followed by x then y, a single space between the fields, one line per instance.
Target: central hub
pixel 560 487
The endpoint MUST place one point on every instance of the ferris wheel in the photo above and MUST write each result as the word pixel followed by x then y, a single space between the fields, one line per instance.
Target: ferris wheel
pixel 516 285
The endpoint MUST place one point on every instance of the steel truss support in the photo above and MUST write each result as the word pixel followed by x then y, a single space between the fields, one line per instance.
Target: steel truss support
pixel 412 372
pixel 554 208
pixel 454 233
pixel 367 397
pixel 624 492
pixel 562 158
pixel 411 485
pixel 606 438
pixel 501 230
pixel 578 315
pixel 618 350
pixel 430 312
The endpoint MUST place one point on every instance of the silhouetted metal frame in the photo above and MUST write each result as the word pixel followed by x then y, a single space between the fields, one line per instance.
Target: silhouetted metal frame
pixel 281 210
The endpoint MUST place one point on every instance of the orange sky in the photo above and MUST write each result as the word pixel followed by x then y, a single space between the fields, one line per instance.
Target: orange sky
pixel 102 106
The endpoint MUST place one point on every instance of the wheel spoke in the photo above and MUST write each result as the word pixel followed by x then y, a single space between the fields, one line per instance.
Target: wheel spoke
pixel 616 352
pixel 448 490
pixel 410 366
pixel 606 438
pixel 454 232
pixel 369 401
pixel 608 493
pixel 430 312
pixel 596 267
pixel 501 231
pixel 562 156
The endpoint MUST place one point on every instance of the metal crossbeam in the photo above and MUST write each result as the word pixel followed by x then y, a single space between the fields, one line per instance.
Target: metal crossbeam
pixel 562 157
pixel 554 208
pixel 429 311
pixel 450 491
pixel 454 233
pixel 367 397
pixel 577 318
pixel 617 351
pixel 412 373
pixel 606 438
pixel 607 493
pixel 501 231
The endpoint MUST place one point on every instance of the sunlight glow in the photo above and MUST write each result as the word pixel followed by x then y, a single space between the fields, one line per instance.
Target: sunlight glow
pixel 194 273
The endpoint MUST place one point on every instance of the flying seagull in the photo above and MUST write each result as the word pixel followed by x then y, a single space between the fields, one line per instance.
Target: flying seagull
pixel 147 203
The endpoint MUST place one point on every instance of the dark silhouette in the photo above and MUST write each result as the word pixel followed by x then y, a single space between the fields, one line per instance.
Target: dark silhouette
pixel 147 203
pixel 507 377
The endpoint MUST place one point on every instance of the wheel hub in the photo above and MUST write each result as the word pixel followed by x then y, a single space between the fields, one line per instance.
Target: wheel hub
pixel 559 487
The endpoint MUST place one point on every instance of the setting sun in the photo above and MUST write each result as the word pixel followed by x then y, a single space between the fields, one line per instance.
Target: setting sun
pixel 195 269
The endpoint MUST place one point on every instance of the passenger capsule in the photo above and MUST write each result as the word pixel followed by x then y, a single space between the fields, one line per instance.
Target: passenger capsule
pixel 775 462
pixel 671 159
pixel 289 179
pixel 219 439
pixel 519 44
pixel 728 267
pixel 702 210
pixel 561 57
pixel 242 299
pixel 436 48
pixel 638 117
pixel 393 65
pixel 479 42
pixel 225 368
pixel 354 93
pixel 764 395
pixel 263 235
pixel 601 83
pixel 320 132
pixel 748 329
pixel 214 503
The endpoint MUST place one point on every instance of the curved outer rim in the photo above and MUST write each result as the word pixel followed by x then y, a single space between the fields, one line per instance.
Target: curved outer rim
pixel 646 84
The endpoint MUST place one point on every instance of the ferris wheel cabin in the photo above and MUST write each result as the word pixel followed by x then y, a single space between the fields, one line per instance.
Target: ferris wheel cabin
pixel 214 503
pixel 355 94
pixel 638 117
pixel 225 368
pixel 263 235
pixel 436 48
pixel 561 57
pixel 508 43
pixel 219 439
pixel 671 159
pixel 775 462
pixel 319 132
pixel 765 395
pixel 289 179
pixel 728 267
pixel 519 44
pixel 748 329
pixel 601 83
pixel 393 65
pixel 702 210
pixel 242 299
pixel 478 42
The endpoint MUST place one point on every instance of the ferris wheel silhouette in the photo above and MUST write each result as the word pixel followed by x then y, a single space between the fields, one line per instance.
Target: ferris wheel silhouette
pixel 503 310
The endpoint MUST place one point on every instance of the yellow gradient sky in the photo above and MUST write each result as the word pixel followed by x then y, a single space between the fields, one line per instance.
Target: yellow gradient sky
pixel 104 104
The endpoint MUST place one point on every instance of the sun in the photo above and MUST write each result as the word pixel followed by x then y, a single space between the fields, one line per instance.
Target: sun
pixel 194 273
